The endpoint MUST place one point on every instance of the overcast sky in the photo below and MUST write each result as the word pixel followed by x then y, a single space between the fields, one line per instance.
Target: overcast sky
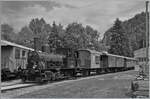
pixel 100 14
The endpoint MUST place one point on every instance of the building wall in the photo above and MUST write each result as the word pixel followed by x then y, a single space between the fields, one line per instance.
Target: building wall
pixel 140 55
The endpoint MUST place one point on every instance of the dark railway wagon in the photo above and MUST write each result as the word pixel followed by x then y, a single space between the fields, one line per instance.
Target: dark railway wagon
pixel 43 66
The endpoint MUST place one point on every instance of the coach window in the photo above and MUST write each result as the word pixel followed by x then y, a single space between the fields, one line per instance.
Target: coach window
pixel 144 59
pixel 23 53
pixel 17 53
pixel 97 59
pixel 139 59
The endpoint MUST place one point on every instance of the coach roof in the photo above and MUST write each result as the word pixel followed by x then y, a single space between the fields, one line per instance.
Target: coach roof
pixel 119 56
pixel 7 43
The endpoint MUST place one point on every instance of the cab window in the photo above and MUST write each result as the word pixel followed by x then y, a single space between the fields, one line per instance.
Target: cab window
pixel 17 53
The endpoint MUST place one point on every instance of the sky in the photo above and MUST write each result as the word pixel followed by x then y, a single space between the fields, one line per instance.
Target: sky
pixel 99 14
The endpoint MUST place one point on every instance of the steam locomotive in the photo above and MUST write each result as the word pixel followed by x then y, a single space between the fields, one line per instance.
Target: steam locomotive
pixel 68 63
pixel 43 67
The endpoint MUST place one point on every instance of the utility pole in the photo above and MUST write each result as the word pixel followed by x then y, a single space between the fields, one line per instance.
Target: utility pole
pixel 147 41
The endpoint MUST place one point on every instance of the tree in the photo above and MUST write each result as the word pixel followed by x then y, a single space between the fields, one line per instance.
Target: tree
pixel 135 31
pixel 8 33
pixel 76 36
pixel 93 33
pixel 119 42
pixel 93 36
pixel 37 25
pixel 40 29
pixel 55 39
pixel 25 37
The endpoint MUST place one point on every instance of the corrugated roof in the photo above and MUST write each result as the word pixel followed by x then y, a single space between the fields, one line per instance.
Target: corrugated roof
pixel 7 43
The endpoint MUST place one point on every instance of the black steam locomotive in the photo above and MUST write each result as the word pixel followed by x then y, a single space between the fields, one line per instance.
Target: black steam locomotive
pixel 43 67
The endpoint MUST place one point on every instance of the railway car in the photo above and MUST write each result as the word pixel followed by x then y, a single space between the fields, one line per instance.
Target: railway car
pixel 117 62
pixel 91 61
pixel 13 57
pixel 88 61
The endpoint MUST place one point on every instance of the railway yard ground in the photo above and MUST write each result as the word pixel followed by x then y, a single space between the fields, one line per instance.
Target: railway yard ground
pixel 12 82
pixel 113 85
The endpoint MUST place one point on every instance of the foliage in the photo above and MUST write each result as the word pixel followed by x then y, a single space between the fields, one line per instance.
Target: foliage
pixel 135 28
pixel 135 32
pixel 40 29
pixel 74 36
pixel 25 37
pixel 119 42
pixel 8 33
pixel 55 39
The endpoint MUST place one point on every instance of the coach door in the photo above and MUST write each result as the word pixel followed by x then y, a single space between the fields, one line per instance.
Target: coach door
pixel 104 61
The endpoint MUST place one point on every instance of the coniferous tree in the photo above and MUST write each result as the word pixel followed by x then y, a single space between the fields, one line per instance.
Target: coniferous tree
pixel 135 32
pixel 119 43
